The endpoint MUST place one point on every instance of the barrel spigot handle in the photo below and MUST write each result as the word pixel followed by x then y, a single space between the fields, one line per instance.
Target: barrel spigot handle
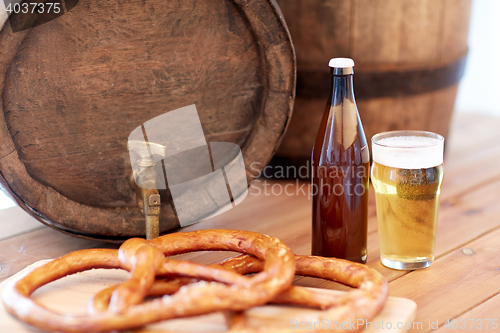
pixel 144 183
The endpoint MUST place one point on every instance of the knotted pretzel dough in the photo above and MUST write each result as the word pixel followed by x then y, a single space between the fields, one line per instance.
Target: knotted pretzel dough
pixel 120 307
pixel 363 303
pixel 191 300
pixel 191 272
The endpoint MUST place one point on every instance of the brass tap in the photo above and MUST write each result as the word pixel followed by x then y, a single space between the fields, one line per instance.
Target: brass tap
pixel 144 183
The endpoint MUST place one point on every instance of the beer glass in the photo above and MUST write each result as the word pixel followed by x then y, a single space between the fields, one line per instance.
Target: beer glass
pixel 407 174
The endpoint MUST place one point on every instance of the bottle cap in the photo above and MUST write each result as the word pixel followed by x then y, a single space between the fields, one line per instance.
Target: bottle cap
pixel 341 63
pixel 341 66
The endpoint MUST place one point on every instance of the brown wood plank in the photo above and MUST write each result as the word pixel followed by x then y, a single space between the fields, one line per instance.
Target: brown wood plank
pixel 440 110
pixel 488 309
pixel 455 20
pixel 376 31
pixel 20 251
pixel 466 172
pixel 283 216
pixel 454 282
pixel 470 132
pixel 331 37
pixel 467 217
pixel 375 121
pixel 420 31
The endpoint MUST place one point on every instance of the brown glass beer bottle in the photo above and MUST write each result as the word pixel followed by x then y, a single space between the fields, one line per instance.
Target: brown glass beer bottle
pixel 340 170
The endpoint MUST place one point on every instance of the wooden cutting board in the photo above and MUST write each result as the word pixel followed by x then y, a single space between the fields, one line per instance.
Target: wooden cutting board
pixel 71 294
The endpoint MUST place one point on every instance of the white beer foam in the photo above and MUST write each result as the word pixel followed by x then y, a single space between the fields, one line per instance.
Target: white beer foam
pixel 408 152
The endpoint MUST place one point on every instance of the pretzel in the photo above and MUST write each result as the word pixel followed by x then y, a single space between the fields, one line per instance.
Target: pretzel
pixel 123 313
pixel 117 307
pixel 192 272
pixel 363 303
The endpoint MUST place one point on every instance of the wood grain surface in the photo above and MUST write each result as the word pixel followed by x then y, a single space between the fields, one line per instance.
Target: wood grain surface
pixel 462 283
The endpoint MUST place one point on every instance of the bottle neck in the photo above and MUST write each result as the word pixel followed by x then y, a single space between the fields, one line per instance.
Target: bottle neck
pixel 341 70
pixel 341 89
pixel 342 119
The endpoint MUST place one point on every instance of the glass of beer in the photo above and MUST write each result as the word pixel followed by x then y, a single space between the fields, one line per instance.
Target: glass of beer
pixel 407 174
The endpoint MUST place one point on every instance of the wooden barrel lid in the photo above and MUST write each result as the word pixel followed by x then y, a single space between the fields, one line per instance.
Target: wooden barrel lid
pixel 74 88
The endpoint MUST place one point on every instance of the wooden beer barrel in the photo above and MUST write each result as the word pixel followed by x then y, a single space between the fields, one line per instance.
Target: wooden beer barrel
pixel 409 56
pixel 74 88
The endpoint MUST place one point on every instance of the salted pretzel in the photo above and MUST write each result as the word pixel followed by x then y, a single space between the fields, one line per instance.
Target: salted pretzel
pixel 144 259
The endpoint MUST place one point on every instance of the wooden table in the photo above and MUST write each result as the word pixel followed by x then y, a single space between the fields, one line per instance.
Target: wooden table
pixel 463 282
